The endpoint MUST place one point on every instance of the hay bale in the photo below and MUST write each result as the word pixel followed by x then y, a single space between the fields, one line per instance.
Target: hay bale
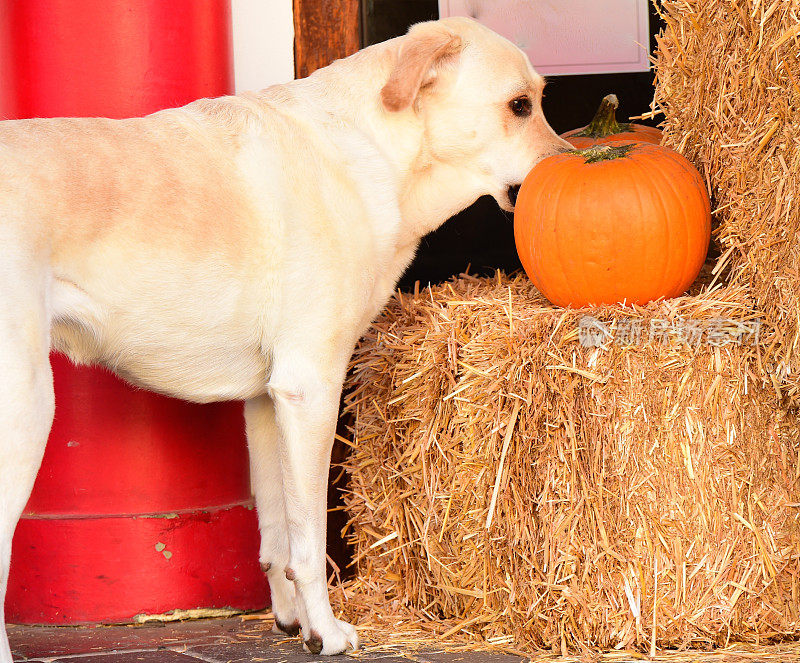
pixel 510 484
pixel 728 83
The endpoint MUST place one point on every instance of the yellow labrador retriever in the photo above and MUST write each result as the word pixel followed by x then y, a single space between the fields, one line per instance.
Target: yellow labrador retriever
pixel 236 248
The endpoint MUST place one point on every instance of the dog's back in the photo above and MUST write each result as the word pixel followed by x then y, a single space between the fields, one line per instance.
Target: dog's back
pixel 146 232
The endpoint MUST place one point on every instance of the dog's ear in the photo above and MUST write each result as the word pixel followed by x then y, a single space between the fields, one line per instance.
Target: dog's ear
pixel 425 48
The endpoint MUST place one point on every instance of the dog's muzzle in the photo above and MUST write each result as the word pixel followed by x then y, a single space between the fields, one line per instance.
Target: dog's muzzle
pixel 513 192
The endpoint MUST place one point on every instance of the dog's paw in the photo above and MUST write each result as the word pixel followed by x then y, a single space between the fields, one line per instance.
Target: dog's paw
pixel 283 628
pixel 284 605
pixel 339 638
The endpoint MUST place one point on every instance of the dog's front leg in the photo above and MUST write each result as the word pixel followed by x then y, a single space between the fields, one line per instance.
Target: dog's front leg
pixel 306 394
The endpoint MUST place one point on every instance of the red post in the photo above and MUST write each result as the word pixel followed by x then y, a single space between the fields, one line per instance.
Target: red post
pixel 142 504
pixel 112 58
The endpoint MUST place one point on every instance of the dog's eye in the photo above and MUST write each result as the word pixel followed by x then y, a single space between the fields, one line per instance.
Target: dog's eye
pixel 521 106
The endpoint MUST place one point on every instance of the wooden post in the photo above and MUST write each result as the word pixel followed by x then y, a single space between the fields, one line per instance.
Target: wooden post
pixel 324 31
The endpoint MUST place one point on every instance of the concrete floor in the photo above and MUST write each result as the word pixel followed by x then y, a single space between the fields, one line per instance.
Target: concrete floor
pixel 250 640
pixel 231 640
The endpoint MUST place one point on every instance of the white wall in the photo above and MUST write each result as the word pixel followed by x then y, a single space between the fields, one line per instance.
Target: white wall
pixel 263 43
pixel 568 36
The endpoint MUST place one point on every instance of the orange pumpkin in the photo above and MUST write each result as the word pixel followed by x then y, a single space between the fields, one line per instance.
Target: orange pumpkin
pixel 628 222
pixel 604 128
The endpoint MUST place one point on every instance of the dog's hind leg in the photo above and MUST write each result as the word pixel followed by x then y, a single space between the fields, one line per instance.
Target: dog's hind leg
pixel 265 476
pixel 26 398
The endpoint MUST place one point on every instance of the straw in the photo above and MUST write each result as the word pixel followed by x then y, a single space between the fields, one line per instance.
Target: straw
pixel 511 487
pixel 728 84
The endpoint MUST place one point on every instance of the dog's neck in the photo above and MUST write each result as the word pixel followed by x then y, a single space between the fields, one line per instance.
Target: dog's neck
pixel 429 198
pixel 429 194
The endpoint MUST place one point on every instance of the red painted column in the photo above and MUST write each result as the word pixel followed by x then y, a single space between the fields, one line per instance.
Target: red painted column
pixel 112 58
pixel 142 504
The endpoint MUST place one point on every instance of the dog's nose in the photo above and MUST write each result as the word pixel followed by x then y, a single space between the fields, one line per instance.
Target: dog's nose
pixel 513 192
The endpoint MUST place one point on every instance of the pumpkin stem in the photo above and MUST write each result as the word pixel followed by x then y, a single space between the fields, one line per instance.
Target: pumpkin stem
pixel 604 152
pixel 605 122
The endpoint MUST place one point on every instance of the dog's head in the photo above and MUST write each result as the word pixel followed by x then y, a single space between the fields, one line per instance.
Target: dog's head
pixel 479 99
